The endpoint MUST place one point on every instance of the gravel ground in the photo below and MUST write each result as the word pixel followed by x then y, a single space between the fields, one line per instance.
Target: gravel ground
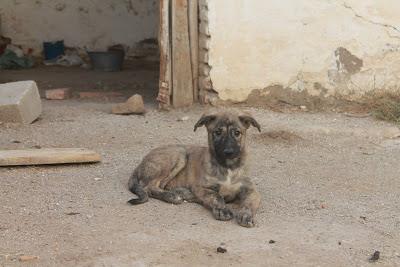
pixel 329 183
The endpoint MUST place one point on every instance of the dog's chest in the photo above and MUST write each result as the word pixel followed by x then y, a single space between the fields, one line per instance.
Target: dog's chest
pixel 230 185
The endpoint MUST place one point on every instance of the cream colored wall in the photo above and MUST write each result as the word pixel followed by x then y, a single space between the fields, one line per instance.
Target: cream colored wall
pixel 92 23
pixel 344 47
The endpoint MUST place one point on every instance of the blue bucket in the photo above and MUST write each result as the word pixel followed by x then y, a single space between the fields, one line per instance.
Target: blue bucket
pixel 53 49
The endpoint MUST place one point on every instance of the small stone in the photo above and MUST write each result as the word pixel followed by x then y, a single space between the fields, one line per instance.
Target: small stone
pixel 58 94
pixel 97 179
pixel 303 107
pixel 221 250
pixel 25 258
pixel 375 256
pixel 184 118
pixel 391 132
pixel 134 105
pixel 272 241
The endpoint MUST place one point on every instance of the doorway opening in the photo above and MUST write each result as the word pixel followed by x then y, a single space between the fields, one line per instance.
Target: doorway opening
pixel 159 38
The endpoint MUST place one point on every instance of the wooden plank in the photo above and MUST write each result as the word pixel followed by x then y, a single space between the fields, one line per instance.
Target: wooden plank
pixel 182 81
pixel 194 45
pixel 47 156
pixel 165 79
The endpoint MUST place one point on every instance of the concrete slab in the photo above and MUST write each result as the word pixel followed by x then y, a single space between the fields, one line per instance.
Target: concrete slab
pixel 19 102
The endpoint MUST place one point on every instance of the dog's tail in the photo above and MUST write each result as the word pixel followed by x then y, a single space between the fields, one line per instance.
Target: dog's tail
pixel 136 188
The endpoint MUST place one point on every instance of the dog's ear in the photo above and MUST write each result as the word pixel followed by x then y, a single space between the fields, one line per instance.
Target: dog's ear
pixel 204 120
pixel 248 121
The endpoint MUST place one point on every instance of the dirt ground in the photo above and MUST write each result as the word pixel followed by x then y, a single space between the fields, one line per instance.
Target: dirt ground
pixel 329 183
pixel 139 76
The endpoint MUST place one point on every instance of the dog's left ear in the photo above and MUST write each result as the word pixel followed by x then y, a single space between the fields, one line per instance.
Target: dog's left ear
pixel 204 120
pixel 248 121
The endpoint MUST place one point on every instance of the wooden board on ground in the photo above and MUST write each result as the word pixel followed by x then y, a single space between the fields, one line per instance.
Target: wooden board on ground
pixel 47 156
pixel 182 78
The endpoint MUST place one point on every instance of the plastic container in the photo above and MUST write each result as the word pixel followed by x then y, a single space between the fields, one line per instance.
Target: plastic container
pixel 107 61
pixel 53 50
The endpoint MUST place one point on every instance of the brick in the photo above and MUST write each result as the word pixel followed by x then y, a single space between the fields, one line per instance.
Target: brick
pixel 203 56
pixel 94 94
pixel 19 102
pixel 204 28
pixel 58 94
pixel 203 13
pixel 206 83
pixel 204 42
pixel 204 69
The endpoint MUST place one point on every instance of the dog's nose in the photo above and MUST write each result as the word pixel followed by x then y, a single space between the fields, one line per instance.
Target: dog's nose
pixel 228 151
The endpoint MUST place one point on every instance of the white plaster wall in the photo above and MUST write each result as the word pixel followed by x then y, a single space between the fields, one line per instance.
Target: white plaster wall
pixel 255 44
pixel 95 24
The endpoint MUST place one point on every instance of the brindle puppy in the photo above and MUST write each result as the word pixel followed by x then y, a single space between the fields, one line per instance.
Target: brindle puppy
pixel 211 176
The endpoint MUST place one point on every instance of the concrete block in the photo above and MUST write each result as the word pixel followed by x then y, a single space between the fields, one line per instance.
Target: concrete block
pixel 58 94
pixel 19 102
pixel 134 105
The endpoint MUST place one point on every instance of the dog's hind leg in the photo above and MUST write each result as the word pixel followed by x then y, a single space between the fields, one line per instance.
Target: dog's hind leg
pixel 156 188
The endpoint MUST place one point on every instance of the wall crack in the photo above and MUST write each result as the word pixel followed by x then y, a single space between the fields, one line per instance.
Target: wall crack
pixel 385 25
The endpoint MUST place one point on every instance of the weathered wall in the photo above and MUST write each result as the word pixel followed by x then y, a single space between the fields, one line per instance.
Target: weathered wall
pixel 92 23
pixel 318 47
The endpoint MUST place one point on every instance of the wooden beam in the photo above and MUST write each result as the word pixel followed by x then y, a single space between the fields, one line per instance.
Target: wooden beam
pixel 182 94
pixel 165 79
pixel 47 156
pixel 194 45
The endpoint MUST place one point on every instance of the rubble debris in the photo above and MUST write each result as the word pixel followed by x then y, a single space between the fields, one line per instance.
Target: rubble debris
pixel 69 59
pixel 134 105
pixel 58 94
pixel 375 256
pixel 10 60
pixel 4 42
pixel 19 102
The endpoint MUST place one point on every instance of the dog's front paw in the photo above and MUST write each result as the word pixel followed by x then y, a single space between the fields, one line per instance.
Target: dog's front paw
pixel 222 214
pixel 245 218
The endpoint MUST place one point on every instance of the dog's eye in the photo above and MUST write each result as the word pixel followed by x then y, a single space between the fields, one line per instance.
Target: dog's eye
pixel 237 133
pixel 218 132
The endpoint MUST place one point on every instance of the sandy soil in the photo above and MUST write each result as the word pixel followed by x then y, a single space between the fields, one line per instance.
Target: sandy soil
pixel 329 183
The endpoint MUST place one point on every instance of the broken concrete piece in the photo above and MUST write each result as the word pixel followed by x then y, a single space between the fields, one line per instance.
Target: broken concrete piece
pixel 134 105
pixel 19 102
pixel 58 94
pixel 47 156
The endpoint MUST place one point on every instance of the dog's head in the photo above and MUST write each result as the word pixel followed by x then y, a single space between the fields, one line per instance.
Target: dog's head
pixel 227 135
